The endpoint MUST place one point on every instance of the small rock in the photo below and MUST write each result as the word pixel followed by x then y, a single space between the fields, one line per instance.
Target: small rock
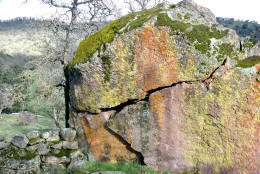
pixel 2 138
pixel 45 135
pixel 43 149
pixel 70 145
pixel 32 148
pixel 20 141
pixel 35 141
pixel 56 160
pixel 77 154
pixel 54 136
pixel 68 134
pixel 51 168
pixel 57 145
pixel 3 145
pixel 76 164
pixel 55 151
pixel 33 135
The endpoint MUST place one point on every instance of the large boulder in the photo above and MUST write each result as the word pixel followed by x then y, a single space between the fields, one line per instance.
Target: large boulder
pixel 171 88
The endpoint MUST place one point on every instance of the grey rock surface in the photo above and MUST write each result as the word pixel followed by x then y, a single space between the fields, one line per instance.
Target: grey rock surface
pixel 32 148
pixel 20 141
pixel 70 145
pixel 76 164
pixel 33 134
pixel 2 138
pixel 3 145
pixel 43 149
pixel 53 136
pixel 57 145
pixel 68 134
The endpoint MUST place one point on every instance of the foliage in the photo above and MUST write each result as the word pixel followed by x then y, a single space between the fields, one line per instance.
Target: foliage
pixel 248 62
pixel 128 168
pixel 243 28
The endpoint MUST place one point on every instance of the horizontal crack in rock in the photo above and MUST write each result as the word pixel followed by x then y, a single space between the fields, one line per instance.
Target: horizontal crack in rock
pixel 121 106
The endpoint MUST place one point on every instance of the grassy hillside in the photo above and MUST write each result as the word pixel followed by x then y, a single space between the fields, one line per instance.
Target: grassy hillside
pixel 243 28
pixel 19 38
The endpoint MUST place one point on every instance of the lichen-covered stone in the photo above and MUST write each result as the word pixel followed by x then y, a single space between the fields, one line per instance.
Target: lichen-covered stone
pixel 43 149
pixel 177 89
pixel 20 141
pixel 68 134
pixel 57 145
pixel 53 136
pixel 3 144
pixel 33 135
pixel 32 148
pixel 102 145
pixel 53 160
pixel 70 145
pixel 2 138
pixel 190 124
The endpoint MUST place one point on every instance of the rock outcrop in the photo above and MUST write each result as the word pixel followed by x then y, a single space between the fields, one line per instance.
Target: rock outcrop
pixel 170 88
pixel 39 154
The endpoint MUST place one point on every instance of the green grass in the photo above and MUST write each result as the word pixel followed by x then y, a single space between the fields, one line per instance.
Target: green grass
pixel 128 168
pixel 249 62
pixel 9 125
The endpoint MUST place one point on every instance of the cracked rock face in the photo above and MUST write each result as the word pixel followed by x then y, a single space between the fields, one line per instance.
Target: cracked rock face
pixel 175 92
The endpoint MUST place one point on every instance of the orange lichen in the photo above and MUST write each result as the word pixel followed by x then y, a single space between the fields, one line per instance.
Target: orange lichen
pixel 158 108
pixel 103 145
pixel 155 55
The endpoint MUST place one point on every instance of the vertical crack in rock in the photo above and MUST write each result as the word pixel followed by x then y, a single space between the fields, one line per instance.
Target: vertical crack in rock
pixel 139 155
pixel 120 107
pixel 67 96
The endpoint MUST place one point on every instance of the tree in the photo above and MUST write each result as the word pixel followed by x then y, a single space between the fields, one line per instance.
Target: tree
pixel 74 20
pixel 6 94
pixel 139 5
pixel 77 18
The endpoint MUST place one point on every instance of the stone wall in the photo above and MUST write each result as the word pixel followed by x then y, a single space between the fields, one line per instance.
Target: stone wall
pixel 37 152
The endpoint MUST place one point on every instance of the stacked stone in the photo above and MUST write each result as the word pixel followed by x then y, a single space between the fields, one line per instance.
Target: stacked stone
pixel 40 152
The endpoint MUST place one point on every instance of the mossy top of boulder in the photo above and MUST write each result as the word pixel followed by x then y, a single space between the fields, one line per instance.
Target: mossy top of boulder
pixel 195 24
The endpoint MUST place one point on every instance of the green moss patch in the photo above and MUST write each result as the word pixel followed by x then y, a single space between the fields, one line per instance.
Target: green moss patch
pixel 179 16
pixel 224 49
pixel 62 152
pixel 106 61
pixel 93 43
pixel 14 153
pixel 107 34
pixel 200 34
pixel 187 16
pixel 173 6
pixel 164 20
pixel 248 62
pixel 249 44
